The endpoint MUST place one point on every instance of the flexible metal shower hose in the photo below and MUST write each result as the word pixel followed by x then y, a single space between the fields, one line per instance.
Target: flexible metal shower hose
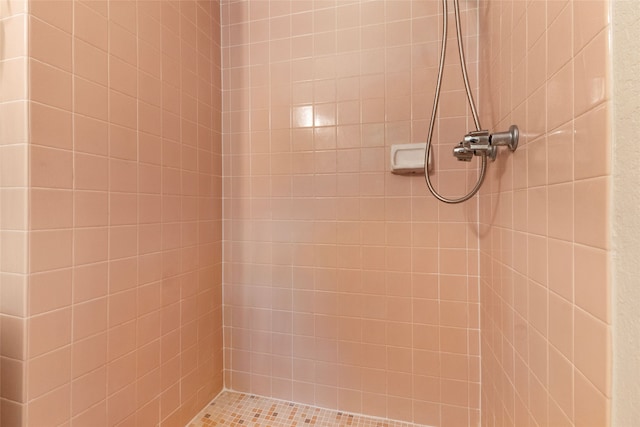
pixel 436 101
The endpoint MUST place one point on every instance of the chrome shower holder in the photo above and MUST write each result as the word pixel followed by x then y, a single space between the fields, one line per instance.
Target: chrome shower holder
pixel 483 143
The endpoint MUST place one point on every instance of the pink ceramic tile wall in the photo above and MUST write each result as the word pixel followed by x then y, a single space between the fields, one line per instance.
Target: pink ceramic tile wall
pixel 121 318
pixel 13 208
pixel 346 286
pixel 545 282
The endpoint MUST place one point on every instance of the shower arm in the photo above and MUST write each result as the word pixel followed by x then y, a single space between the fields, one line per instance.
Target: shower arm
pixel 434 111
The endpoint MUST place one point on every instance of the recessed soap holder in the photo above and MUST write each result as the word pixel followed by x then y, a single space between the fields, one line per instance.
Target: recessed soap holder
pixel 408 159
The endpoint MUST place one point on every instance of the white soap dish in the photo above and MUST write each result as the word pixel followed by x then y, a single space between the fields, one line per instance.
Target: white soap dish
pixel 408 159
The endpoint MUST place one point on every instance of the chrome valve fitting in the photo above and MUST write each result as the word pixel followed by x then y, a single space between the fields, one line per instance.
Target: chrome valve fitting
pixel 482 143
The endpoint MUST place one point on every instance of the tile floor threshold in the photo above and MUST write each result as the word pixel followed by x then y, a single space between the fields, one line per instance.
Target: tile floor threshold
pixel 239 409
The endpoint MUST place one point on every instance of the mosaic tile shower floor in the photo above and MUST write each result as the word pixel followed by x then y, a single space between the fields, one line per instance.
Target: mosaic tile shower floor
pixel 239 409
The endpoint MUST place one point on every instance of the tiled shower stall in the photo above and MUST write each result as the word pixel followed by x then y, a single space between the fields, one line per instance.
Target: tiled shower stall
pixel 195 195
pixel 346 286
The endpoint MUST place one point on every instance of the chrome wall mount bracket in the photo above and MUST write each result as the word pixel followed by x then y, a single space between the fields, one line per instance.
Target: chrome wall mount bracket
pixel 483 143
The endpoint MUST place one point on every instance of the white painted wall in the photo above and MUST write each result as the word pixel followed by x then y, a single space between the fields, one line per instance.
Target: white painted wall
pixel 626 213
